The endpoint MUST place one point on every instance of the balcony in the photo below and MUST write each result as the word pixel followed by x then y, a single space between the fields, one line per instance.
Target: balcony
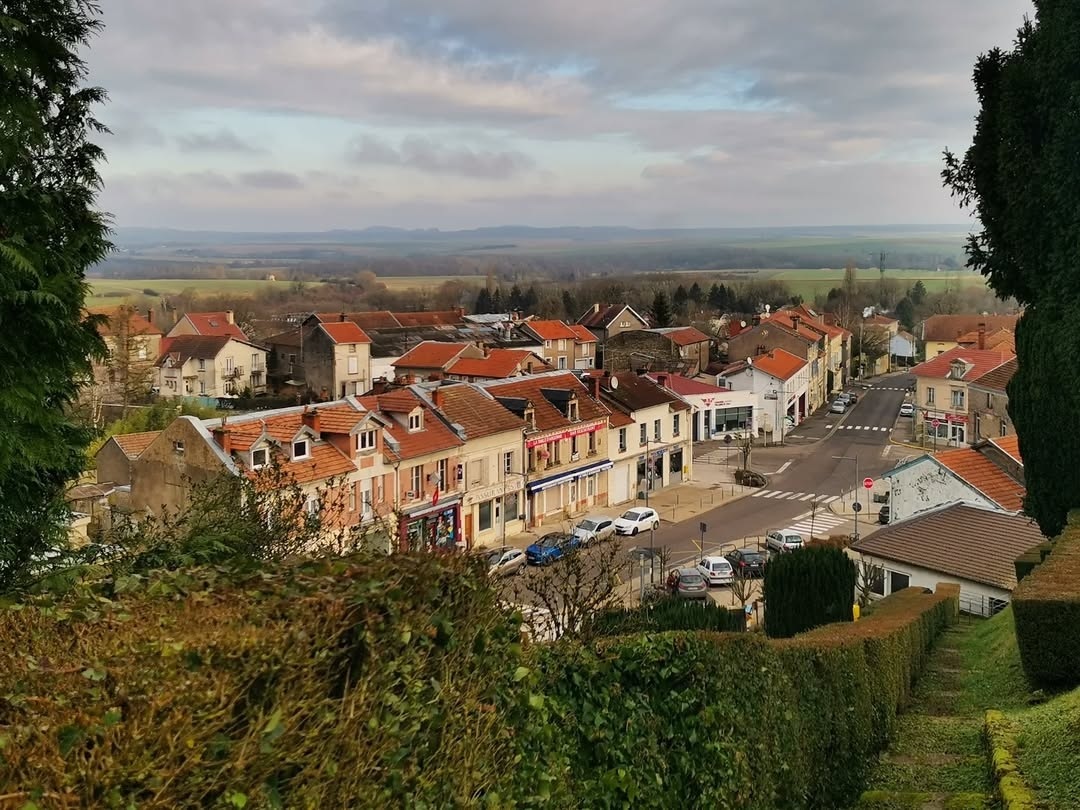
pixel 234 373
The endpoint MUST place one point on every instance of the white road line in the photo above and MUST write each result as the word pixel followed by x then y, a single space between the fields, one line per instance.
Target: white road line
pixel 774 494
pixel 794 496
pixel 807 497
pixel 830 499
pixel 760 493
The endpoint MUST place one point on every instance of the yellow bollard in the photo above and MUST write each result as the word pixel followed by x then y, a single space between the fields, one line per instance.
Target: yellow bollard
pixel 855 611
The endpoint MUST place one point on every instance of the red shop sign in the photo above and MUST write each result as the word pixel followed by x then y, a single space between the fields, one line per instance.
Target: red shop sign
pixel 577 430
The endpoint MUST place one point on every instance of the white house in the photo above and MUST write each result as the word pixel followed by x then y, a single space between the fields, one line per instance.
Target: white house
pixel 779 382
pixel 716 411
pixel 972 547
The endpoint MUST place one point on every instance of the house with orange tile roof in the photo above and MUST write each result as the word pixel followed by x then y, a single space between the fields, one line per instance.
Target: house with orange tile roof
pixel 942 397
pixel 497 364
pixel 431 359
pixel 981 476
pixel 210 324
pixel 780 383
pixel 329 358
pixel 680 350
pixel 940 333
pixel 837 347
pixel 210 366
pixel 113 459
pixel 791 334
pixel 126 375
pixel 988 403
pixel 565 443
pixel 562 346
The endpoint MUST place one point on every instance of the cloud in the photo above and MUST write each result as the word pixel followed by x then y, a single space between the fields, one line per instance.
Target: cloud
pixel 425 155
pixel 222 141
pixel 271 180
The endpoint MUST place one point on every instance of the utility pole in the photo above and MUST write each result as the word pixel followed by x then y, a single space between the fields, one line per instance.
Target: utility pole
pixel 858 483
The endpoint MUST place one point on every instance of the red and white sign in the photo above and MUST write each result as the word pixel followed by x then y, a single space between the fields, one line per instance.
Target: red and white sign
pixel 935 424
pixel 435 498
pixel 868 483
pixel 577 430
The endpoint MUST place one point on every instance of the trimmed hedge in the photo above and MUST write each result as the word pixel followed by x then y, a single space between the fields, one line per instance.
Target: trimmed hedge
pixel 1046 610
pixel 806 588
pixel 1009 785
pixel 669 614
pixel 1031 559
pixel 401 682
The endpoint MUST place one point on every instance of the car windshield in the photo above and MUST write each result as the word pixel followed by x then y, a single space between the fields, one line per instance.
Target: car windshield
pixel 550 540
pixel 752 556
pixel 588 525
pixel 689 579
pixel 493 559
pixel 633 514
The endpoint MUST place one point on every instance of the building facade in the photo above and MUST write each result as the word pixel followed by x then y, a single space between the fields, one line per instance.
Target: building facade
pixel 942 397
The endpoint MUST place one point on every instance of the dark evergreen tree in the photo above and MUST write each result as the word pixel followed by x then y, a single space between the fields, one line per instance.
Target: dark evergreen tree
pixel 1022 177
pixel 662 314
pixel 917 293
pixel 716 298
pixel 483 302
pixel 807 588
pixel 569 305
pixel 50 233
pixel 697 295
pixel 905 313
pixel 530 301
pixel 497 301
pixel 680 299
pixel 516 298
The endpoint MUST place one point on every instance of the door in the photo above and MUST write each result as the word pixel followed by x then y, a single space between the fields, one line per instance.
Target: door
pixel 467 527
pixel 619 484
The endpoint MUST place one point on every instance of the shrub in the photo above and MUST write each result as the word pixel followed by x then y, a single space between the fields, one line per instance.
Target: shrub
pixel 1046 609
pixel 669 614
pixel 807 588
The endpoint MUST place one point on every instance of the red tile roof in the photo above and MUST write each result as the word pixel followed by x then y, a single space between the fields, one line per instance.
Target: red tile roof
pixel 345 332
pixel 214 323
pixel 551 330
pixel 950 327
pixel 582 334
pixel 1009 445
pixel 817 321
pixel 132 444
pixel 880 320
pixel 378 319
pixel 601 316
pixel 326 461
pixel 548 417
pixel 997 378
pixel 785 321
pixel 636 392
pixel 981 361
pixel 985 476
pixel 779 363
pixel 137 322
pixel 431 354
pixel 475 411
pixel 182 348
pixel 619 419
pixel 448 317
pixel 685 386
pixel 435 436
pixel 684 336
pixel 498 365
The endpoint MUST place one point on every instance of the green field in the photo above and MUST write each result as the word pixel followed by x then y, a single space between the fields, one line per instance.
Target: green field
pixel 403 283
pixel 810 283
pixel 106 291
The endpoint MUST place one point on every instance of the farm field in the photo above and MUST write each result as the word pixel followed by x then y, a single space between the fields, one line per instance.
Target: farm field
pixel 106 291
pixel 402 283
pixel 812 282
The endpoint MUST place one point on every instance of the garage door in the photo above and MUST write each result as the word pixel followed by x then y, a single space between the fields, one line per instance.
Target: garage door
pixel 619 482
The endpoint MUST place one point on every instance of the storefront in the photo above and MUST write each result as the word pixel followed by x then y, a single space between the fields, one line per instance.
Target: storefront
pixel 946 428
pixel 492 513
pixel 435 527
pixel 567 493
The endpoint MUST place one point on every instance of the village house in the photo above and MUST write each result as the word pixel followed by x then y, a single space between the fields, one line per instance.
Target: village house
pixel 681 350
pixel 988 403
pixel 605 321
pixel 794 337
pixel 497 364
pixel 655 449
pixel 940 333
pixel 836 342
pixel 565 443
pixel 114 458
pixel 431 360
pixel 332 359
pixel 210 366
pixel 716 412
pixel 126 374
pixel 208 324
pixel 561 346
pixel 941 392
pixel 779 383
pixel 879 331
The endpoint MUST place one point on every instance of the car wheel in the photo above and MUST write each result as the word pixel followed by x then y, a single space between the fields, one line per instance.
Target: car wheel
pixel 635 531
pixel 656 525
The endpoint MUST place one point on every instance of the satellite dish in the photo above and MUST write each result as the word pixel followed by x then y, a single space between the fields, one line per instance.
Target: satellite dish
pixel 614 383
pixel 767 308
pixel 742 324
pixel 749 361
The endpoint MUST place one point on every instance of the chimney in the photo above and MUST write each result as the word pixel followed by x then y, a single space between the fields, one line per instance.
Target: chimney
pixel 594 386
pixel 795 322
pixel 460 311
pixel 343 317
pixel 437 398
pixel 596 309
pixel 229 316
pixel 310 417
pixel 982 335
pixel 150 315
pixel 662 379
pixel 224 439
pixel 755 320
pixel 760 350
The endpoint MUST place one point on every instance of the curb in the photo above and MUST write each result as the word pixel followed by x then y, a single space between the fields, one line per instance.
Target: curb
pixel 1009 783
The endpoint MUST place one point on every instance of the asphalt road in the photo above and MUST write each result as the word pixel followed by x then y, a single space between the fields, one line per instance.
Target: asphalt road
pixel 819 469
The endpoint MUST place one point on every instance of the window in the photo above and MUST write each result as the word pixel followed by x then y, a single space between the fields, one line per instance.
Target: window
pixel 572 410
pixel 258 458
pixel 460 472
pixel 957 399
pixel 366 440
pixel 622 440
pixel 178 447
pixel 898 581
pixel 989 401
pixel 590 485
pixel 656 430
pixel 483 519
pixel 547 344
pixel 675 425
pixel 562 362
pixel 573 445
pixel 508 462
pixel 1004 429
pixel 416 484
pixel 202 387
pixel 416 421
pixel 592 443
pixel 352 499
pixel 644 433
pixel 292 358
pixel 556 456
pixel 510 507
pixel 311 506
pixel 142 351
pixel 729 419
pixel 300 448
pixel 562 345
pixel 228 365
pixel 443 471
pixel 365 497
pixel 202 365
pixel 354 365
pixel 877 583
pixel 929 396
pixel 352 348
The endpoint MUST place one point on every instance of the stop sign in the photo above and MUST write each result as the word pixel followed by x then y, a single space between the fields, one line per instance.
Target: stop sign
pixel 868 483
pixel 935 424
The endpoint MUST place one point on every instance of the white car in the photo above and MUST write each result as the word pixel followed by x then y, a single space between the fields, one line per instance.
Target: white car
pixel 716 570
pixel 636 520
pixel 907 409
pixel 838 406
pixel 595 528
pixel 783 540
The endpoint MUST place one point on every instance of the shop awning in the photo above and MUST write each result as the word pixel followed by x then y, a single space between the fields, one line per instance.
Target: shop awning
pixel 420 511
pixel 555 480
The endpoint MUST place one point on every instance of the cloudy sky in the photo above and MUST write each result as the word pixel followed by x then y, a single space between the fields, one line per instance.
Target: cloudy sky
pixel 317 114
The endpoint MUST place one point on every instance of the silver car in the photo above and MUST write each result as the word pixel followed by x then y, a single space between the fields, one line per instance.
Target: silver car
pixel 838 406
pixel 595 528
pixel 503 562
pixel 688 583
pixel 783 540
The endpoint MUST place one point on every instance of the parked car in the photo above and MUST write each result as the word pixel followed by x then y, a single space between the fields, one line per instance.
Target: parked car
pixel 505 561
pixel 687 583
pixel 551 547
pixel 838 406
pixel 716 570
pixel 852 398
pixel 884 514
pixel 783 540
pixel 594 528
pixel 749 561
pixel 635 520
pixel 907 409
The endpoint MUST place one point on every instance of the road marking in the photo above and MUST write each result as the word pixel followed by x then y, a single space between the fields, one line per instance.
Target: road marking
pixel 795 496
pixel 807 497
pixel 784 495
pixel 774 494
pixel 759 493
pixel 785 465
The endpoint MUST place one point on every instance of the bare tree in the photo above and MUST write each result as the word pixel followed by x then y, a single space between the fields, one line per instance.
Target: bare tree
pixel 815 505
pixel 869 574
pixel 742 586
pixel 564 596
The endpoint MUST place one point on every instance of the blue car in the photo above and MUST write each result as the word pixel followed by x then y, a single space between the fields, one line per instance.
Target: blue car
pixel 551 547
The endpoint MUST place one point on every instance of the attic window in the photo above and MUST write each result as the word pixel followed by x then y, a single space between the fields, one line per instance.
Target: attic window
pixel 365 440
pixel 416 421
pixel 258 458
pixel 572 410
pixel 178 447
pixel 300 449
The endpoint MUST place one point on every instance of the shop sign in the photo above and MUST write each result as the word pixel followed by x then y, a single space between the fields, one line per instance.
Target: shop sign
pixel 576 430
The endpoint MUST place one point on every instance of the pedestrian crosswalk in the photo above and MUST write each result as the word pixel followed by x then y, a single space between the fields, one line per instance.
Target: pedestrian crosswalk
pixel 816 525
pixel 894 388
pixel 863 427
pixel 780 495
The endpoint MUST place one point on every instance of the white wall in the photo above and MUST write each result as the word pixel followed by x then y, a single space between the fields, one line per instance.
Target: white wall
pixel 925 484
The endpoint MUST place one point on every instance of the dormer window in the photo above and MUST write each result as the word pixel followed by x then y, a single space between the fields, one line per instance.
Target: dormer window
pixel 301 448
pixel 259 458
pixel 572 410
pixel 366 440
pixel 416 421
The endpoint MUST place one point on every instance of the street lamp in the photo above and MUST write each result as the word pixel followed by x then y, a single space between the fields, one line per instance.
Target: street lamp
pixel 855 505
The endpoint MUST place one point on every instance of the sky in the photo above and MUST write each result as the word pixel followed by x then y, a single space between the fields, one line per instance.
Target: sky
pixel 278 115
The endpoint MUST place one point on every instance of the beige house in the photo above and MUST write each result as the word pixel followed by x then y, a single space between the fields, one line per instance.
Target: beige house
pixel 208 324
pixel 940 333
pixel 607 320
pixel 883 329
pixel 988 403
pixel 942 396
pixel 791 333
pixel 127 374
pixel 559 345
pixel 198 365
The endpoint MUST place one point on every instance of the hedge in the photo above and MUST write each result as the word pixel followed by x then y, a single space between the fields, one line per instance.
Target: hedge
pixel 669 614
pixel 1012 791
pixel 401 682
pixel 807 588
pixel 1046 611
pixel 1031 559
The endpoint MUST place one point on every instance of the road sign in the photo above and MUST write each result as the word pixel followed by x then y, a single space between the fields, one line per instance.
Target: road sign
pixel 856 507
pixel 868 483
pixel 935 424
pixel 703 527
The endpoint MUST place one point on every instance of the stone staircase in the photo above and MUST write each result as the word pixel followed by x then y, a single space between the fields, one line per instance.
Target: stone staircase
pixel 937 760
